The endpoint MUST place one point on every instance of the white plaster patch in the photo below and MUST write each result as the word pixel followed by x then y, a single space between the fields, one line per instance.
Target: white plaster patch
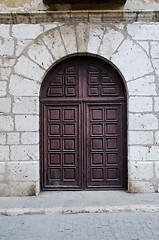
pixel 129 57
pixel 18 86
pixel 144 86
pixel 28 69
pixel 39 53
pixel 111 41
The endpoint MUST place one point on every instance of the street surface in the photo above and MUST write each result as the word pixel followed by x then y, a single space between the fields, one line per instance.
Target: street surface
pixel 82 226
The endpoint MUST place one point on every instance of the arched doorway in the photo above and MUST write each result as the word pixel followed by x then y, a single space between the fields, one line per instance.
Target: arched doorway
pixel 83 126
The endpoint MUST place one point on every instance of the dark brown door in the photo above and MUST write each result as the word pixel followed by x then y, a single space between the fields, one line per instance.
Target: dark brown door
pixel 83 126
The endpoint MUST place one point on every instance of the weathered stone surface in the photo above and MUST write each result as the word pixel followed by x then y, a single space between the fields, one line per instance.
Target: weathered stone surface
pixel 141 170
pixel 30 138
pixel 4 153
pixel 20 86
pixel 144 86
pixel 82 36
pixel 26 105
pixel 69 38
pixel 154 49
pixel 128 59
pixel 2 138
pixel 155 63
pixel 95 37
pixel 49 26
pixel 24 153
pixel 23 171
pixel 54 42
pixel 140 137
pixel 21 44
pixel 111 41
pixel 143 31
pixel 143 153
pixel 142 121
pixel 26 123
pixel 157 137
pixel 5 30
pixel 28 68
pixel 5 73
pixel 4 190
pixel 156 104
pixel 5 105
pixel 13 138
pixel 6 47
pixel 6 123
pixel 145 46
pixel 26 31
pixel 24 188
pixel 3 88
pixel 157 169
pixel 141 186
pixel 39 54
pixel 140 104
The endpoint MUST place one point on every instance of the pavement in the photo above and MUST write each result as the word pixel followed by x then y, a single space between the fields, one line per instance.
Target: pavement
pixel 65 202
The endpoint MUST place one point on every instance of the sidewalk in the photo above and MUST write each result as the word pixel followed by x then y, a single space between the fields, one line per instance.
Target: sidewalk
pixel 79 202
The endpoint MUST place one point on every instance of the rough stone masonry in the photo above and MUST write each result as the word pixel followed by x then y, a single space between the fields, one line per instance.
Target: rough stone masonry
pixel 30 44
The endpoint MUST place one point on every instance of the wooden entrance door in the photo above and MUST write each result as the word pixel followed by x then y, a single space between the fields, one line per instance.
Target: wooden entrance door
pixel 83 126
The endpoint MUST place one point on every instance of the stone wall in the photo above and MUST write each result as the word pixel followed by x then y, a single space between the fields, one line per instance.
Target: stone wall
pixel 28 51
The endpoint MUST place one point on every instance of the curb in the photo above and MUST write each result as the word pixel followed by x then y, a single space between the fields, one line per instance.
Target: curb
pixel 76 210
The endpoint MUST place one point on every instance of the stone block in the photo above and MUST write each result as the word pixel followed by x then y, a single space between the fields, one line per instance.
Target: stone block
pixel 5 105
pixel 156 104
pixel 3 88
pixel 20 86
pixel 4 153
pixel 5 30
pixel 96 33
pixel 140 187
pixel 26 31
pixel 2 138
pixel 21 45
pixel 5 73
pixel 140 171
pixel 7 47
pixel 140 137
pixel 23 171
pixel 111 41
pixel 49 26
pixel 28 69
pixel 55 44
pixel 26 123
pixel 25 152
pixel 155 63
pixel 82 36
pixel 134 56
pixel 145 46
pixel 143 153
pixel 140 104
pixel 144 86
pixel 2 167
pixel 6 123
pixel 23 188
pixel 26 105
pixel 39 53
pixel 30 138
pixel 8 61
pixel 143 31
pixel 157 137
pixel 69 38
pixel 13 138
pixel 157 170
pixel 143 121
pixel 4 190
pixel 154 49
